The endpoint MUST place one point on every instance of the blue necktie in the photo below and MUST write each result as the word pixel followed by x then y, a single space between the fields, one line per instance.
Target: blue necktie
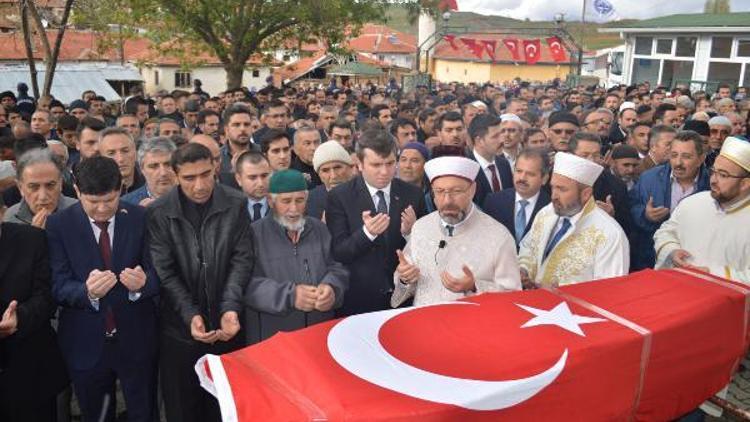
pixel 381 207
pixel 559 235
pixel 521 220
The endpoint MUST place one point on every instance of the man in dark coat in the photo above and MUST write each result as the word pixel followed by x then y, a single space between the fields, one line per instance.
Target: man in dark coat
pixel 296 283
pixel 202 248
pixel 32 371
pixel 495 174
pixel 367 217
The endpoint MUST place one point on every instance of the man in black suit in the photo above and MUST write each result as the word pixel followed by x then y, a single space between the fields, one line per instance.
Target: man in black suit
pixel 486 132
pixel 516 208
pixel 32 370
pixel 367 217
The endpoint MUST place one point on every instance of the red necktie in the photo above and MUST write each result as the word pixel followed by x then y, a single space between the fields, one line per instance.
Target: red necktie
pixel 495 180
pixel 106 250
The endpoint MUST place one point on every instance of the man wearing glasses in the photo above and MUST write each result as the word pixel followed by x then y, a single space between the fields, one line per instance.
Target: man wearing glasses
pixel 562 126
pixel 443 260
pixel 709 231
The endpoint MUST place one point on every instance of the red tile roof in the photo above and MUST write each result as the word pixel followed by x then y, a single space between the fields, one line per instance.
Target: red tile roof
pixel 296 69
pixel 84 46
pixel 502 55
pixel 382 39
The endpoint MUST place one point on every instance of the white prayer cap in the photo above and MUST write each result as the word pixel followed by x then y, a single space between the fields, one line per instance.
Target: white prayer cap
pixel 510 117
pixel 737 151
pixel 627 105
pixel 478 104
pixel 579 169
pixel 720 121
pixel 451 166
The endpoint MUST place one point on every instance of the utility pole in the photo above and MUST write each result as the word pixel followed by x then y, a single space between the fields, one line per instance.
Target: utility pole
pixel 583 29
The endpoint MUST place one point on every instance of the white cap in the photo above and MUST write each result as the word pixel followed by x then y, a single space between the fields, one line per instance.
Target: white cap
pixel 720 121
pixel 579 169
pixel 451 166
pixel 737 151
pixel 510 117
pixel 627 105
pixel 479 104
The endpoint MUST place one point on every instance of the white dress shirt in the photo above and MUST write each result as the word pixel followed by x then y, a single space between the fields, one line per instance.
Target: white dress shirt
pixel 485 168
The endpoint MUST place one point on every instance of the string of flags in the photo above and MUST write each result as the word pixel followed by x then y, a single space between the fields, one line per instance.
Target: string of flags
pixel 532 49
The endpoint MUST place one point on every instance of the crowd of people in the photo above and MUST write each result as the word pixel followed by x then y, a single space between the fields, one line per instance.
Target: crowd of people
pixel 140 236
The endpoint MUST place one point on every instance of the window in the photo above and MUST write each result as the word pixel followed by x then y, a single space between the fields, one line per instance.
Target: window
pixel 646 70
pixel 746 82
pixel 676 70
pixel 721 47
pixel 156 77
pixel 256 73
pixel 617 58
pixel 743 48
pixel 643 45
pixel 724 72
pixel 183 80
pixel 286 58
pixel 686 46
pixel 663 46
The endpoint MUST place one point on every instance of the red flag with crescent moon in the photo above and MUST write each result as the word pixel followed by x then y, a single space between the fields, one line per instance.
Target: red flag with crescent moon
pixel 489 48
pixel 616 349
pixel 446 5
pixel 513 45
pixel 532 50
pixel 556 49
pixel 451 40
pixel 476 47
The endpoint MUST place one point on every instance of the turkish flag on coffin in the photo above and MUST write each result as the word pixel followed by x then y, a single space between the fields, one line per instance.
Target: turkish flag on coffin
pixel 651 346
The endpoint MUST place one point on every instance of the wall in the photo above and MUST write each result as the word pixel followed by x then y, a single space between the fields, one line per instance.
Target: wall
pixel 213 77
pixel 449 70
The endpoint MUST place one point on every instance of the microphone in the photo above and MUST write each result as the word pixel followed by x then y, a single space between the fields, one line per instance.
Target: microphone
pixel 442 244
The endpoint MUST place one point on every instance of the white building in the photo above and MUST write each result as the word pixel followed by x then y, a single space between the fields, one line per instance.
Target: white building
pixel 702 49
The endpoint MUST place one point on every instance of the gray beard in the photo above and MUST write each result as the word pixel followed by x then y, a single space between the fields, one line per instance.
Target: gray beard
pixel 295 227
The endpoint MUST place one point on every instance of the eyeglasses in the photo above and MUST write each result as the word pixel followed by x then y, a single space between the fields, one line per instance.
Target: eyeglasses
pixel 599 121
pixel 719 132
pixel 721 174
pixel 567 131
pixel 453 193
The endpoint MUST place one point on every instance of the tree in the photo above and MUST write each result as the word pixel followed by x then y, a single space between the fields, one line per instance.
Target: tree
pixel 234 30
pixel 716 6
pixel 28 11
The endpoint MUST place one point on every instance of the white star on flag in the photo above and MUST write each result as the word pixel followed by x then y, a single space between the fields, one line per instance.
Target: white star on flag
pixel 561 316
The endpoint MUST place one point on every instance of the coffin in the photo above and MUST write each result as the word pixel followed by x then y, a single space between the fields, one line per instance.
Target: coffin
pixel 650 346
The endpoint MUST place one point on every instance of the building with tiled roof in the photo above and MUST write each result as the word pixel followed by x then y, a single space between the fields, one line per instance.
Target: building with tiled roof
pixel 386 45
pixel 701 50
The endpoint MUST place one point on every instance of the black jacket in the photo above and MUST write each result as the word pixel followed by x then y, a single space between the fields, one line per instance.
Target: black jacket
pixel 484 186
pixel 31 365
pixel 190 285
pixel 371 263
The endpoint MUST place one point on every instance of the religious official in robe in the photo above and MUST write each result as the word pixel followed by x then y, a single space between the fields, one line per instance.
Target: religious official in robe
pixel 458 250
pixel 711 230
pixel 572 240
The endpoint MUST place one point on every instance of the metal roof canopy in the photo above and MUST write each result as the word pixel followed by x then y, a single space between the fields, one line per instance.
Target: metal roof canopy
pixel 71 80
pixel 355 69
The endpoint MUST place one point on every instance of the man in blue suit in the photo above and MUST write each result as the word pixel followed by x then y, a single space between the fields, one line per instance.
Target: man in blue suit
pixel 516 208
pixel 486 136
pixel 660 189
pixel 104 282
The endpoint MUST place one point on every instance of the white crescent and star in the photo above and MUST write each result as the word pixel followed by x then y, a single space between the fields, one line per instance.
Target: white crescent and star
pixel 354 344
pixel 533 49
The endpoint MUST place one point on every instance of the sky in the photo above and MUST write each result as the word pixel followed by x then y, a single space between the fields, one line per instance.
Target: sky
pixel 624 9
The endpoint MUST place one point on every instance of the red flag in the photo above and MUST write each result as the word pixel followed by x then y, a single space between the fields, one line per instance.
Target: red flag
pixel 451 40
pixel 446 5
pixel 513 46
pixel 546 356
pixel 533 50
pixel 475 47
pixel 489 48
pixel 556 49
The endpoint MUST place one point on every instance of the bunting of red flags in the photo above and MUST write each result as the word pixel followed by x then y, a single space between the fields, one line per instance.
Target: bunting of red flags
pixel 532 49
